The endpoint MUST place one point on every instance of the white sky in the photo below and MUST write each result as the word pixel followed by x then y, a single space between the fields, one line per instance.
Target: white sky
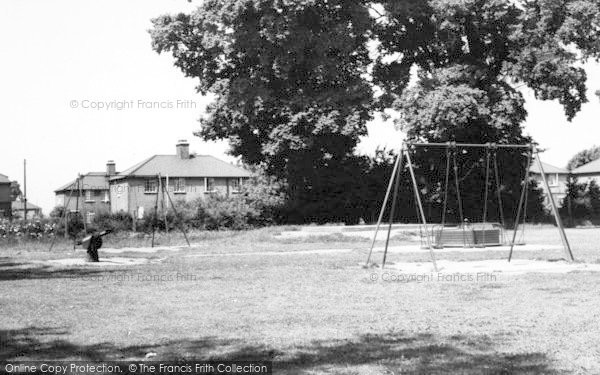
pixel 58 51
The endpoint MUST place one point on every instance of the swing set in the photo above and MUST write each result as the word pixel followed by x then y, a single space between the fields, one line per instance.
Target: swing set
pixel 465 233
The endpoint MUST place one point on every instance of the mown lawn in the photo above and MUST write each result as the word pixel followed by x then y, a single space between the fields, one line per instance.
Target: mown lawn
pixel 308 312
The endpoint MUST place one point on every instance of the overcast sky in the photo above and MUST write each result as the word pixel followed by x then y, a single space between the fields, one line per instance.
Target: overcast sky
pixel 62 56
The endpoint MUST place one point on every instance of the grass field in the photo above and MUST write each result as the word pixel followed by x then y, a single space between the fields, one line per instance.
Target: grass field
pixel 250 295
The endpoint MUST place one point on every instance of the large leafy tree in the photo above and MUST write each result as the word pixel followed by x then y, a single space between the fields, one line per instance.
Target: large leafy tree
pixel 287 76
pixel 471 57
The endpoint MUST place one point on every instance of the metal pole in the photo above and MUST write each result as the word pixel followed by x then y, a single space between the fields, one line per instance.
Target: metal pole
pixel 166 188
pixel 425 144
pixel 155 214
pixel 25 189
pixel 180 224
pixel 485 195
pixel 385 200
pixel 66 210
pixel 77 205
pixel 561 229
pixel 439 237
pixel 392 211
pixel 416 189
pixel 499 197
pixel 163 205
pixel 521 199
pixel 63 216
pixel 83 219
pixel 498 192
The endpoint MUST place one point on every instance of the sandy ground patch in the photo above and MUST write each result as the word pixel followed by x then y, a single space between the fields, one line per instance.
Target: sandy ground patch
pixel 356 234
pixel 141 249
pixel 104 262
pixel 516 266
pixel 417 248
pixel 298 252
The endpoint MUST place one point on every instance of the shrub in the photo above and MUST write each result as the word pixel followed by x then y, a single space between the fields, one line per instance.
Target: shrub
pixel 574 207
pixel 27 228
pixel 57 212
pixel 265 195
pixel 117 222
pixel 582 202
pixel 593 196
pixel 536 210
pixel 217 212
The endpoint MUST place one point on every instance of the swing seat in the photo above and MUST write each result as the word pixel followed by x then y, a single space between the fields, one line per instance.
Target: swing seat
pixel 470 235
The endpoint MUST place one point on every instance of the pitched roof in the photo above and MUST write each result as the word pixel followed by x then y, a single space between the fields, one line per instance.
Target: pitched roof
pixel 18 205
pixel 174 166
pixel 591 167
pixel 90 181
pixel 4 179
pixel 548 168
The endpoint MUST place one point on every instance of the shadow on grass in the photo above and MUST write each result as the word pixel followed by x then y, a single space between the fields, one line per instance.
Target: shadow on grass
pixel 391 353
pixel 35 343
pixel 13 270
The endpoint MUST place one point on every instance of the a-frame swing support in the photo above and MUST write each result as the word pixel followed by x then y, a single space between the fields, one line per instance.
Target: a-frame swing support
pixel 395 182
pixel 161 189
pixel 65 214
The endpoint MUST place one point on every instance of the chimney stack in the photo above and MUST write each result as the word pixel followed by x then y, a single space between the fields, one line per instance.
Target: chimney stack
pixel 110 168
pixel 183 149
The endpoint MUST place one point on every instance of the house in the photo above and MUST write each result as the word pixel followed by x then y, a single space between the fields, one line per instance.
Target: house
pixel 18 210
pixel 183 175
pixel 88 194
pixel 557 177
pixel 5 201
pixel 588 172
pixel 557 180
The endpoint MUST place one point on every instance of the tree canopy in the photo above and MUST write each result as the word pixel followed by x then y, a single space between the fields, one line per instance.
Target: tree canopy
pixel 584 157
pixel 296 81
pixel 471 58
pixel 287 75
pixel 15 191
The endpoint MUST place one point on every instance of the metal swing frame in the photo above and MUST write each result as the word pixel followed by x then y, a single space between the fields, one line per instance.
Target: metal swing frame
pixel 66 214
pixel 394 184
pixel 464 233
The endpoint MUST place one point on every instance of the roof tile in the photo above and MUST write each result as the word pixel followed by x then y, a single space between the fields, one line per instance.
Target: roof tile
pixel 548 168
pixel 591 167
pixel 18 205
pixel 90 181
pixel 173 166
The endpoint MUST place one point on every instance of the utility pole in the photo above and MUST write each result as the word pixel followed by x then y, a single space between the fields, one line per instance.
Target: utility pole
pixel 25 189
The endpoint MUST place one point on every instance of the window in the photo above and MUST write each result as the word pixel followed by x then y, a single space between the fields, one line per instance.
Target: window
pixel 90 217
pixel 235 185
pixel 150 186
pixel 96 193
pixel 179 185
pixel 88 196
pixel 209 184
pixel 552 179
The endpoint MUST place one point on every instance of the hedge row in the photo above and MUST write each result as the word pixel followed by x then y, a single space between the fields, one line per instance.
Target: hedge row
pixel 26 228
